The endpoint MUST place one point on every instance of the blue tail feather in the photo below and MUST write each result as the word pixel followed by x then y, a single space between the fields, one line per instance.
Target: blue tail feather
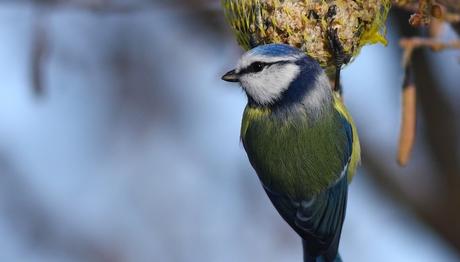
pixel 321 259
pixel 312 258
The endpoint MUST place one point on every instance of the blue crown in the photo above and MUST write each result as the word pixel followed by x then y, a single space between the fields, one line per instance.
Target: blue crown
pixel 275 50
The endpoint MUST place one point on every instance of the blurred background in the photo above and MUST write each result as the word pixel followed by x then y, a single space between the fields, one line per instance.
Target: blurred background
pixel 119 142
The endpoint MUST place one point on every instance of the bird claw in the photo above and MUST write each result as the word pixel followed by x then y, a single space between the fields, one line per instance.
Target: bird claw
pixel 340 56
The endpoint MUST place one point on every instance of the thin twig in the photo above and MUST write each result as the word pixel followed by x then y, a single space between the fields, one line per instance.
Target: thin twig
pixel 424 10
pixel 434 44
pixel 39 53
pixel 407 134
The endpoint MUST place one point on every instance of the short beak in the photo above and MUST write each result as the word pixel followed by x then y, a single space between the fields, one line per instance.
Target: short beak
pixel 230 76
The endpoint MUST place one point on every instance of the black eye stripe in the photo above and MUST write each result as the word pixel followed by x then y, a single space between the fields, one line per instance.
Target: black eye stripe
pixel 254 67
pixel 259 66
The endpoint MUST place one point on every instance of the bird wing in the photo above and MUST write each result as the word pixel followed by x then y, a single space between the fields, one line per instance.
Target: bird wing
pixel 318 219
pixel 291 159
pixel 356 148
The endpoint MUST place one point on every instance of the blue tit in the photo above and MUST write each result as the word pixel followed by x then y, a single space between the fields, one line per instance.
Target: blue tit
pixel 300 140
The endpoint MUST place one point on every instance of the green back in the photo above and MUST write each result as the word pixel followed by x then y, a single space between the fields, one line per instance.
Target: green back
pixel 296 157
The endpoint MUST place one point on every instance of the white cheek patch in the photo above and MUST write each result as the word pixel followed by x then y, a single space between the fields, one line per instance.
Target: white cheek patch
pixel 268 85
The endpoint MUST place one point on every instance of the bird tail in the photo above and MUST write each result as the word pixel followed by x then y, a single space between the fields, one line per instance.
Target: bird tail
pixel 307 257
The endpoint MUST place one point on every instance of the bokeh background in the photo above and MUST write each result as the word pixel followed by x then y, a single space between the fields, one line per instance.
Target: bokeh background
pixel 119 142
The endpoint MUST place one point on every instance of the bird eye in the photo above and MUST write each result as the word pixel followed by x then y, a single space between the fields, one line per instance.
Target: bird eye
pixel 256 67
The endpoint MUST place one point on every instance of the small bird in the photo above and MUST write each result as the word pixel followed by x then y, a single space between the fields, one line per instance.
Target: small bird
pixel 300 140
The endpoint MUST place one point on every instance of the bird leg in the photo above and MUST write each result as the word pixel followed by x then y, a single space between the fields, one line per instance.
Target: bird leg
pixel 340 56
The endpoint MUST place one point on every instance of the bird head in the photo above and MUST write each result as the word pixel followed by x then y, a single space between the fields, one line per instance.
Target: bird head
pixel 277 73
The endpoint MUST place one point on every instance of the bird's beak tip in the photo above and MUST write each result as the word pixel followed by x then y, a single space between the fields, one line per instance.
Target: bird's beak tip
pixel 230 76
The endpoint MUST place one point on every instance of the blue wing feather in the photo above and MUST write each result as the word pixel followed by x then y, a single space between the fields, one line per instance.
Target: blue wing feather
pixel 319 220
